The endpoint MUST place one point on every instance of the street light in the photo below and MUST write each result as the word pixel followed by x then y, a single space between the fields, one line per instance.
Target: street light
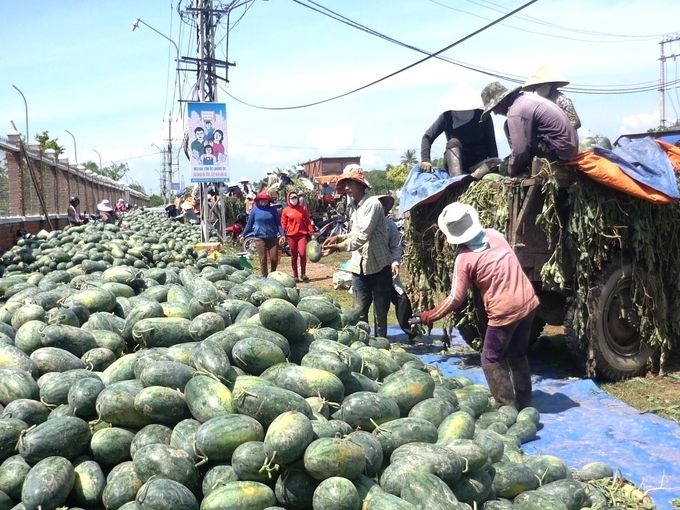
pixel 75 147
pixel 25 110
pixel 135 26
pixel 100 158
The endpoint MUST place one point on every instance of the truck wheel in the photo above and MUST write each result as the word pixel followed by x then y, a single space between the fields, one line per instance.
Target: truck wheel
pixel 615 340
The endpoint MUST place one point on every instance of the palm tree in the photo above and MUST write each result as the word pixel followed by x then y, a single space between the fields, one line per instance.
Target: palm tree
pixel 409 158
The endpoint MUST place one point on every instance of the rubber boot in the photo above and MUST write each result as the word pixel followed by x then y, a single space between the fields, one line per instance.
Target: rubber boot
pixel 521 381
pixel 500 384
pixel 453 160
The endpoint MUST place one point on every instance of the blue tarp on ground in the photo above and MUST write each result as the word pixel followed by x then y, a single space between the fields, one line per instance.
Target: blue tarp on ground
pixel 581 424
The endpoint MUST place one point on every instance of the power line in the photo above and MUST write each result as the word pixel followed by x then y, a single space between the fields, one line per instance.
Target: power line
pixel 379 80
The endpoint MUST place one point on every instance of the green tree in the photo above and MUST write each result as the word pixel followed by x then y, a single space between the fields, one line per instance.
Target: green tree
pixel 156 200
pixel 380 184
pixel 408 158
pixel 48 143
pixel 115 171
pixel 137 187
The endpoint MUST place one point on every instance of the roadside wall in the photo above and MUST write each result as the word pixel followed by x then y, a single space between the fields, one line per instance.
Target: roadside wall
pixel 57 181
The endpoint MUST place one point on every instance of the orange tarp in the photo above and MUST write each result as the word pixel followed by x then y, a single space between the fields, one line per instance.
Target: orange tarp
pixel 673 153
pixel 609 174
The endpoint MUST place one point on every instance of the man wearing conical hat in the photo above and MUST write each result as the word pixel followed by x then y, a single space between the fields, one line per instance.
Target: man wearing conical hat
pixel 546 82
pixel 469 140
pixel 535 127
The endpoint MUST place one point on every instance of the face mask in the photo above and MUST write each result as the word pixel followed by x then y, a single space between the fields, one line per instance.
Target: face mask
pixel 294 201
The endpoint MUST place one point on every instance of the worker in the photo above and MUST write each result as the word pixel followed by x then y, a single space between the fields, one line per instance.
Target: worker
pixel 398 297
pixel 535 127
pixel 73 215
pixel 487 261
pixel 469 138
pixel 263 224
pixel 546 83
pixel 297 227
pixel 370 263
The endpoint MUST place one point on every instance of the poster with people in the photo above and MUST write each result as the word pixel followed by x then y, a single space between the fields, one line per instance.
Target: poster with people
pixel 207 145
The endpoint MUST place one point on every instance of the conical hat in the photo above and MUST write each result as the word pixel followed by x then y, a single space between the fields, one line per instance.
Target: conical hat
pixel 545 74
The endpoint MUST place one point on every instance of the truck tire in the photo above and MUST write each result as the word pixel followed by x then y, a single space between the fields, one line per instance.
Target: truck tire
pixel 615 341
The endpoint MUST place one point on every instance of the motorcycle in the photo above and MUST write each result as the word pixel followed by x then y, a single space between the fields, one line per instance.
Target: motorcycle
pixel 334 226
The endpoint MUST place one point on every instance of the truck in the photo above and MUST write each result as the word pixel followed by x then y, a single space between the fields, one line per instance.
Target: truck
pixel 601 262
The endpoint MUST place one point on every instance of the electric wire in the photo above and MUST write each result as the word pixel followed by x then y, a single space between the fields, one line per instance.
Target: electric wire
pixel 581 89
pixel 392 74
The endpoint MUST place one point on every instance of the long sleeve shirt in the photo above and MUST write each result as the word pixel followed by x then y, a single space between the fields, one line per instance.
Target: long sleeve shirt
pixel 533 120
pixel 367 238
pixel 507 293
pixel 263 223
pixel 566 106
pixel 295 220
pixel 393 240
pixel 477 139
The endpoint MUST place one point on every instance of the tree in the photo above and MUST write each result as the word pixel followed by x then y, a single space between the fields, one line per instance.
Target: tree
pixel 113 171
pixel 156 200
pixel 397 175
pixel 137 187
pixel 380 184
pixel 408 158
pixel 47 143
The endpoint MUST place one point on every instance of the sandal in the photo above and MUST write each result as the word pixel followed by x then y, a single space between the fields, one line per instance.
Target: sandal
pixel 305 278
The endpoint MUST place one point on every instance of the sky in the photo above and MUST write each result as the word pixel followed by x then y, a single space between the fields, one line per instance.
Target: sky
pixel 82 69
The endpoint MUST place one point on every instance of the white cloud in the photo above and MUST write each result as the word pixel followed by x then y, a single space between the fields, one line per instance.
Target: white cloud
pixel 332 137
pixel 639 122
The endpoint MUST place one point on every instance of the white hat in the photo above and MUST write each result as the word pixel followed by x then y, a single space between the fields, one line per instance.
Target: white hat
pixel 459 222
pixel 104 206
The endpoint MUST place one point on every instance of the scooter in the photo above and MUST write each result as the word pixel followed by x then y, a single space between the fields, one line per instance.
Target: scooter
pixel 336 226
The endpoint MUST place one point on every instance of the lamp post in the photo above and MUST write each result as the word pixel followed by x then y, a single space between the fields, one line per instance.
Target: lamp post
pixel 135 26
pixel 25 110
pixel 100 158
pixel 75 146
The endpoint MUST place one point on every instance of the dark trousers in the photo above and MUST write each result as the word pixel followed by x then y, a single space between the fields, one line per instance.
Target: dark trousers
pixel 373 288
pixel 509 341
pixel 403 310
pixel 267 247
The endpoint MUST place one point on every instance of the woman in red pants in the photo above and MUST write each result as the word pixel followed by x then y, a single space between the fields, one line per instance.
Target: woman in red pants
pixel 297 225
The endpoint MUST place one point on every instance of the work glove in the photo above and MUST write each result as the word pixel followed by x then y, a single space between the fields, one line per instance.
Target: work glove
pixel 425 166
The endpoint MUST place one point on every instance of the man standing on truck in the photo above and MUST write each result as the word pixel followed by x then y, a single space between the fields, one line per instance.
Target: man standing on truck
pixel 535 127
pixel 371 261
pixel 487 261
pixel 469 139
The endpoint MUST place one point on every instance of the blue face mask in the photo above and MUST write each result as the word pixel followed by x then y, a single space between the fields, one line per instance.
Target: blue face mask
pixel 478 243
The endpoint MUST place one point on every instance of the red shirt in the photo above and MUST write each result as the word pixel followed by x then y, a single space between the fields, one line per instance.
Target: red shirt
pixel 295 220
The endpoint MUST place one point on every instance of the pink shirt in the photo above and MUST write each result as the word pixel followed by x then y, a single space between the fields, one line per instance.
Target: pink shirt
pixel 507 293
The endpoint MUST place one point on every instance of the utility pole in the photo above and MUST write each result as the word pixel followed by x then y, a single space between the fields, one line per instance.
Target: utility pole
pixel 667 39
pixel 168 168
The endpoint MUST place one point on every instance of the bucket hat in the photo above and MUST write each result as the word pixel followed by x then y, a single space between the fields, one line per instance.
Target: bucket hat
pixel 545 74
pixel 104 206
pixel 493 94
pixel 356 173
pixel 459 222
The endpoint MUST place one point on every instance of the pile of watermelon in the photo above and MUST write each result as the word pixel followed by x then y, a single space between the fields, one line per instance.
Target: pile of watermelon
pixel 135 374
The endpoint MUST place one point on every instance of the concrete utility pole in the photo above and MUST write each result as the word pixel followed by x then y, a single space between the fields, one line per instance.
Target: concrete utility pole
pixel 168 168
pixel 667 39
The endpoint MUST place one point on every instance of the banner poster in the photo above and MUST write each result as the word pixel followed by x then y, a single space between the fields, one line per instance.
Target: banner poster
pixel 208 142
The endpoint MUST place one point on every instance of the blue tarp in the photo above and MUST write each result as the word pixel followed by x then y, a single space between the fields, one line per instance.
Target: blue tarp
pixel 421 187
pixel 581 424
pixel 644 161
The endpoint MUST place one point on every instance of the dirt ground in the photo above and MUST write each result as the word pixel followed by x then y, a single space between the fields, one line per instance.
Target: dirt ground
pixel 650 394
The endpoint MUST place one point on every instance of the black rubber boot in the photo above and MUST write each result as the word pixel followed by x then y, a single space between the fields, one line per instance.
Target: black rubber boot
pixel 498 378
pixel 521 381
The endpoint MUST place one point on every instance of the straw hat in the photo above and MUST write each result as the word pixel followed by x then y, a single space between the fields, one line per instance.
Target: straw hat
pixel 459 222
pixel 545 74
pixel 493 94
pixel 104 206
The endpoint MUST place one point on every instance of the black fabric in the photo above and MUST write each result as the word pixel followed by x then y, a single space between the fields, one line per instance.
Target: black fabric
pixel 373 288
pixel 403 310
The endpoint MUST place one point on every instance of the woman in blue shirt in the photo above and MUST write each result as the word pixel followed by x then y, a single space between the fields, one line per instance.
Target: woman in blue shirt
pixel 263 224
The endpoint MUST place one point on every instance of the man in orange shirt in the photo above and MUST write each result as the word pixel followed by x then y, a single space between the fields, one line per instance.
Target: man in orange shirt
pixel 487 261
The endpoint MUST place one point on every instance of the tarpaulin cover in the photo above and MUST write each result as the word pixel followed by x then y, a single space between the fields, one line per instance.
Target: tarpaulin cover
pixel 426 187
pixel 644 161
pixel 672 152
pixel 602 170
pixel 581 424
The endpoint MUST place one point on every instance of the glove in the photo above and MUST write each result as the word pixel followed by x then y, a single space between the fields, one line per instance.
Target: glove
pixel 414 321
pixel 425 166
pixel 426 317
